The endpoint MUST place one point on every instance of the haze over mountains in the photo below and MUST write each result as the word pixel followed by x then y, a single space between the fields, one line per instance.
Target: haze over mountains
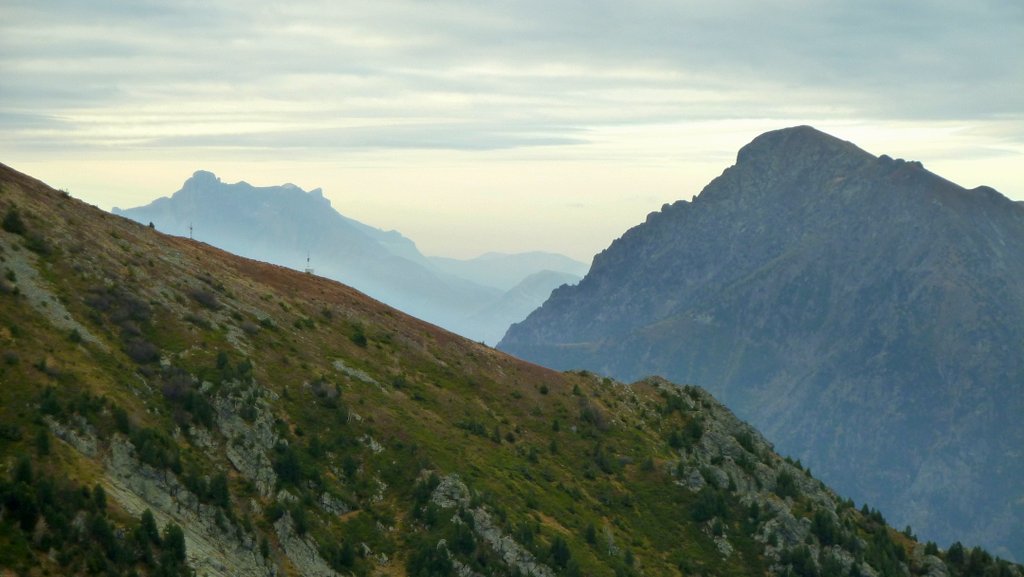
pixel 285 225
pixel 864 313
pixel 505 271
pixel 168 407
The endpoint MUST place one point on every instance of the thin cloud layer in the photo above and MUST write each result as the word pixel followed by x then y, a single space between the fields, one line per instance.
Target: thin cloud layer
pixel 598 81
pixel 561 67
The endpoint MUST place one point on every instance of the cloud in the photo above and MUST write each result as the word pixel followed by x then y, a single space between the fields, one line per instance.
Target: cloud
pixel 488 75
pixel 427 136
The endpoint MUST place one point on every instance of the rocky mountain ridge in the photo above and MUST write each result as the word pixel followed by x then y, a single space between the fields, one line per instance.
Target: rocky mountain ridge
pixel 863 312
pixel 169 407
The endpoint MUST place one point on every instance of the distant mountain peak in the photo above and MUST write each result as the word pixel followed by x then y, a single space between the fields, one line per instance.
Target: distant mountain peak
pixel 787 166
pixel 204 184
pixel 202 178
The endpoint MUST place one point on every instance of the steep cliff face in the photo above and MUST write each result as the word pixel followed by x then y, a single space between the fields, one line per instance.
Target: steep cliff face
pixel 865 313
pixel 165 406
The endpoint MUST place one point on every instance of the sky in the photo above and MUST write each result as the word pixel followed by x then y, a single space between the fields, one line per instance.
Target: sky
pixel 475 126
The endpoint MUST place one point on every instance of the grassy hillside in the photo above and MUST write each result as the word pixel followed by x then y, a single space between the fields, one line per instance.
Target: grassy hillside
pixel 168 407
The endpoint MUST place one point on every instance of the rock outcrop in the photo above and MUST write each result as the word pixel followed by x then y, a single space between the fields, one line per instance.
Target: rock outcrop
pixel 452 493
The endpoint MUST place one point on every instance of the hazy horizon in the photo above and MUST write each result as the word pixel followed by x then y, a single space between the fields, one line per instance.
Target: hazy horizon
pixel 475 127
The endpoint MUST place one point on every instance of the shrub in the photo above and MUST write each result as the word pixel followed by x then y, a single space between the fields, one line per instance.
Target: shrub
pixel 286 464
pixel 37 244
pixel 429 560
pixel 800 561
pixel 299 518
pixel 10 432
pixel 12 222
pixel 11 357
pixel 694 430
pixel 156 449
pixel 205 298
pixel 141 351
pixel 174 544
pixel 591 413
pixel 709 504
pixel 825 529
pixel 148 529
pixel 20 504
pixel 746 440
pixel 42 443
pixel 358 336
pixel 463 541
pixel 785 485
pixel 675 440
pixel 559 553
pixel 342 557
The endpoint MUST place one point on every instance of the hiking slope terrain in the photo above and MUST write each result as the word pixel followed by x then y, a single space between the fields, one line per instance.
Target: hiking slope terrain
pixel 168 407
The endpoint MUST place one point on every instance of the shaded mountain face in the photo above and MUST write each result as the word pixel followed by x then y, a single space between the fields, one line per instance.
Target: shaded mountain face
pixel 166 407
pixel 865 313
pixel 285 224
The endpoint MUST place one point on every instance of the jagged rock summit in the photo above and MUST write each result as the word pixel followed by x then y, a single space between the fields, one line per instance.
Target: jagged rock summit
pixel 865 313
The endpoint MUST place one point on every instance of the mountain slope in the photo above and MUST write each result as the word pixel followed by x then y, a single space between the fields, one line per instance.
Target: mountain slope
pixel 865 313
pixel 164 402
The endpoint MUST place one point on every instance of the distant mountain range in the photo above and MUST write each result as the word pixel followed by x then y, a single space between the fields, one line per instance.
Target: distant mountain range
pixel 865 313
pixel 504 271
pixel 518 302
pixel 286 225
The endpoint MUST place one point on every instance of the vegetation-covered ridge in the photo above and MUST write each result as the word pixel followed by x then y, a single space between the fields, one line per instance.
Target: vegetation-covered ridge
pixel 164 402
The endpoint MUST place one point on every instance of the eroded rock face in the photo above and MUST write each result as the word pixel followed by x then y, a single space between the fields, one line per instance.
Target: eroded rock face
pixel 215 545
pixel 302 551
pixel 248 442
pixel 81 438
pixel 452 493
pixel 856 309
pixel 40 296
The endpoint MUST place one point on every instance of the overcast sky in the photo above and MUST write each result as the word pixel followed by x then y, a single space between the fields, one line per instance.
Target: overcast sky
pixel 517 125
